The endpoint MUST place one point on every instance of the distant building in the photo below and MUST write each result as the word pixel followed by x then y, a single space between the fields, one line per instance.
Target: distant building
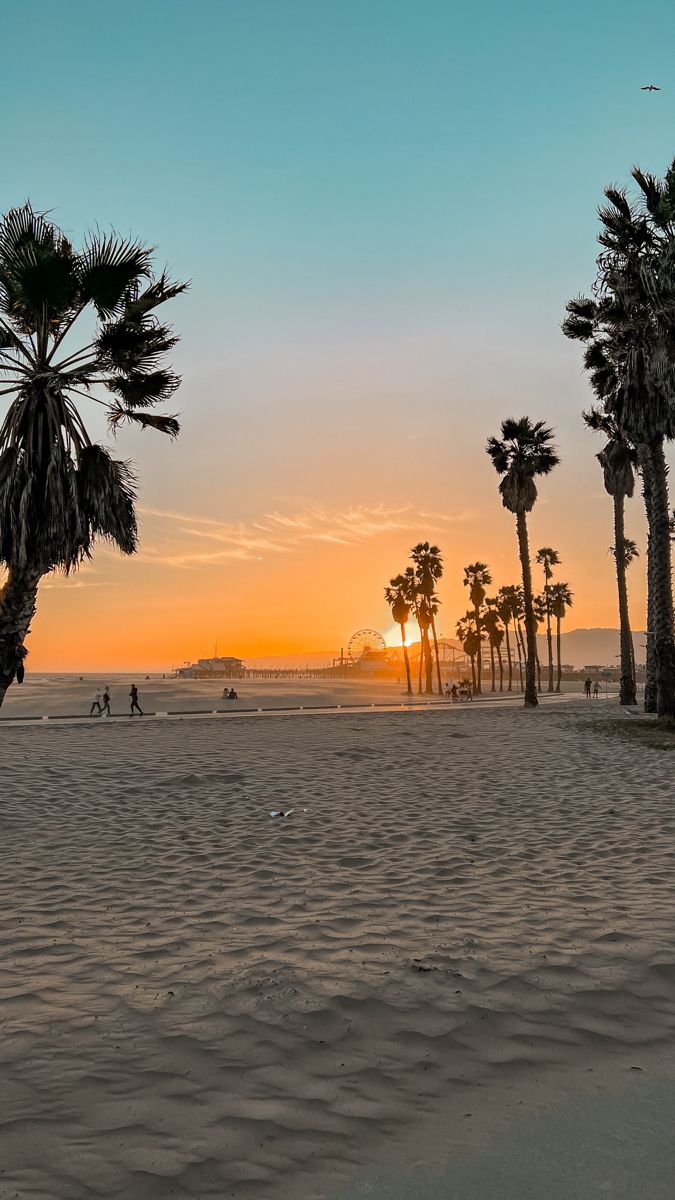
pixel 373 662
pixel 223 667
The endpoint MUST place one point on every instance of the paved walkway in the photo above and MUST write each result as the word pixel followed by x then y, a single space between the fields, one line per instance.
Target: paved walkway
pixel 501 701
pixel 619 1145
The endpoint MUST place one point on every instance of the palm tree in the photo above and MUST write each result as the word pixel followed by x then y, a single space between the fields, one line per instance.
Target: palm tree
pixel 396 595
pixel 59 491
pixel 495 632
pixel 630 331
pixel 519 617
pixel 428 562
pixel 560 599
pixel 470 640
pixel 506 608
pixel 540 608
pixel 618 460
pixel 523 452
pixel 414 598
pixel 548 558
pixel 477 578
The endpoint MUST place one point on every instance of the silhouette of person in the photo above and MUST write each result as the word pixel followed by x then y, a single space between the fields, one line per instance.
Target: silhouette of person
pixel 587 688
pixel 96 704
pixel 596 690
pixel 106 702
pixel 134 701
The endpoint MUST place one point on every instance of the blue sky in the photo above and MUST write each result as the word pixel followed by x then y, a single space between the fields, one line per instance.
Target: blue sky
pixel 383 207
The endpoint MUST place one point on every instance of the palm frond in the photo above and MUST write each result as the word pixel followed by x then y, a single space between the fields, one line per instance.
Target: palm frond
pixel 139 389
pixel 38 271
pixel 164 424
pixel 127 346
pixel 107 494
pixel 139 303
pixel 108 267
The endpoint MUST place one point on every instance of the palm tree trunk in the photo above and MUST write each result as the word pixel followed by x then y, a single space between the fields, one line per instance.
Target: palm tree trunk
pixel 438 663
pixel 479 656
pixel 406 660
pixel 501 667
pixel 549 638
pixel 558 686
pixel 650 662
pixel 539 687
pixel 508 652
pixel 627 693
pixel 492 667
pixel 428 665
pixel 664 637
pixel 521 652
pixel 18 600
pixel 531 700
pixel 473 671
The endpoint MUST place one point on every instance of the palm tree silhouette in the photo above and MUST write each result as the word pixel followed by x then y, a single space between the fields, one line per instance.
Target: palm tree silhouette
pixel 397 596
pixel 618 459
pixel 540 611
pixel 507 607
pixel 560 599
pixel 519 619
pixel 629 330
pixel 428 562
pixel 548 558
pixel 59 491
pixel 477 578
pixel 495 633
pixel 470 640
pixel 523 452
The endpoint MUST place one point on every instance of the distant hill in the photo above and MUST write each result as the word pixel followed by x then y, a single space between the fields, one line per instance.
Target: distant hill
pixel 586 647
pixel 580 647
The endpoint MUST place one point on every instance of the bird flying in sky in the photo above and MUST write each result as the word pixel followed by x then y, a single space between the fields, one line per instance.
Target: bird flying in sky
pixel 651 87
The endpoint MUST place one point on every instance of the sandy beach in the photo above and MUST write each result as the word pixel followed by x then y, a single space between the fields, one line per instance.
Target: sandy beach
pixel 465 921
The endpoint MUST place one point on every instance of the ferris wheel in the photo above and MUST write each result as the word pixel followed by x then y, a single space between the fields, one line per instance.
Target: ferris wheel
pixel 363 641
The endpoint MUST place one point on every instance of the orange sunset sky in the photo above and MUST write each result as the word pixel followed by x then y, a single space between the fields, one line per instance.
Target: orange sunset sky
pixel 380 254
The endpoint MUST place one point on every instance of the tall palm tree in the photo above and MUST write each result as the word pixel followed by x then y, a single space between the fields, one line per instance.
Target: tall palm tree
pixel 506 607
pixel 523 452
pixel 560 599
pixel 477 578
pixel 428 562
pixel 539 604
pixel 495 633
pixel 396 594
pixel 519 612
pixel 618 459
pixel 630 330
pixel 60 491
pixel 426 609
pixel 470 639
pixel 548 559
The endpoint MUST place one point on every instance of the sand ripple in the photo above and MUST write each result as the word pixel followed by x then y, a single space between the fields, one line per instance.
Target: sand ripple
pixel 199 1001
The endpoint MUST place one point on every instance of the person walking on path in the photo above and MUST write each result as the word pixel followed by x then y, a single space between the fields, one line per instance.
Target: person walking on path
pixel 587 688
pixel 596 690
pixel 134 701
pixel 106 703
pixel 96 704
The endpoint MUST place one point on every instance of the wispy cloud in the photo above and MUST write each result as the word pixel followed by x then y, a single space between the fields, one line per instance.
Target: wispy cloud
pixel 177 539
pixel 59 582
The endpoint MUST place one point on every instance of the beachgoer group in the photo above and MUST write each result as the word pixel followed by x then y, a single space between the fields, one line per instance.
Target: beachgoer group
pixel 229 694
pixel 455 694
